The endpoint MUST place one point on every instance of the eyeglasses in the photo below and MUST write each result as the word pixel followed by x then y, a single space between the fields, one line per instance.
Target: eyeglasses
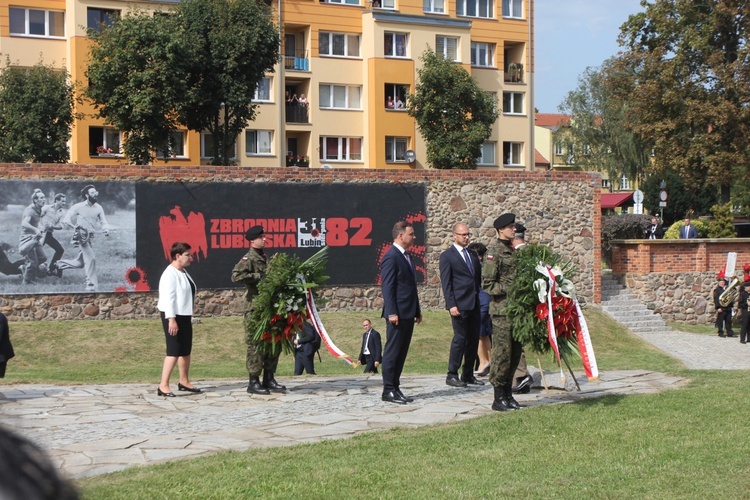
pixel 463 235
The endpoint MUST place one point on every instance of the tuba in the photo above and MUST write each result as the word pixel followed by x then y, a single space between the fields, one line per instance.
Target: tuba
pixel 729 296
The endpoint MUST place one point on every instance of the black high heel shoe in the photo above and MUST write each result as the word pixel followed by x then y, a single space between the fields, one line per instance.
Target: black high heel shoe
pixel 189 389
pixel 165 394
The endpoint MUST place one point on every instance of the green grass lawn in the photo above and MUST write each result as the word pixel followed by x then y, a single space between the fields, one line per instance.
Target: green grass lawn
pixel 687 443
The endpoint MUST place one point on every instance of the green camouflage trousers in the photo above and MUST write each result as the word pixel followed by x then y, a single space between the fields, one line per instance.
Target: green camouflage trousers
pixel 256 361
pixel 506 352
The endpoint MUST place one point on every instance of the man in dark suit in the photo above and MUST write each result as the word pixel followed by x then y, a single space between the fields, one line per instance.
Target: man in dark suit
pixel 688 231
pixel 460 277
pixel 304 350
pixel 400 309
pixel 655 231
pixel 370 354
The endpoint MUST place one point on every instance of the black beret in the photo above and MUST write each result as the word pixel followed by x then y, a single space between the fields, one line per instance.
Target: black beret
pixel 520 228
pixel 253 233
pixel 504 221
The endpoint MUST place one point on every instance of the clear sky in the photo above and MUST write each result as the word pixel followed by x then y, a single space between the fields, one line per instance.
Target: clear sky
pixel 572 35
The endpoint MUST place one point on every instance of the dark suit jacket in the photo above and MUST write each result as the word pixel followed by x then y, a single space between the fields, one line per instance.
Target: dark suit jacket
pixel 373 345
pixel 460 285
pixel 399 282
pixel 692 232
pixel 656 230
pixel 306 337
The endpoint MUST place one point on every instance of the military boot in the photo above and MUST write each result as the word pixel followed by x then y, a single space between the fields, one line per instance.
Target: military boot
pixel 254 387
pixel 508 388
pixel 500 403
pixel 270 383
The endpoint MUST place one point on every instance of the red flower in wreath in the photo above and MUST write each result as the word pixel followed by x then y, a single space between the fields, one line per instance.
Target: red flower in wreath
pixel 542 311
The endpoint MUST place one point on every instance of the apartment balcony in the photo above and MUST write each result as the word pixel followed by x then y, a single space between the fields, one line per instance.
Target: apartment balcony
pixel 297 62
pixel 296 113
pixel 514 73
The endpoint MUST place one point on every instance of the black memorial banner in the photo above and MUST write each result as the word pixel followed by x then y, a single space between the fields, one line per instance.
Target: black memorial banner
pixel 354 220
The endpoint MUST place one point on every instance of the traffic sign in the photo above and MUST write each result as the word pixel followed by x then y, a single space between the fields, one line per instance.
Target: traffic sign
pixel 663 196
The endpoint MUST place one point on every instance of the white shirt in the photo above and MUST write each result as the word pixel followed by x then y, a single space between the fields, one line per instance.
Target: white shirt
pixel 175 293
pixel 366 351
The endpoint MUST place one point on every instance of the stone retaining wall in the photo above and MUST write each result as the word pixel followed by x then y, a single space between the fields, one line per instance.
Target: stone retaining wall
pixel 560 209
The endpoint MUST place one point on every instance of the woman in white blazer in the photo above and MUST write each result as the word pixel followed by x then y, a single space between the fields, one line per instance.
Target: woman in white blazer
pixel 176 297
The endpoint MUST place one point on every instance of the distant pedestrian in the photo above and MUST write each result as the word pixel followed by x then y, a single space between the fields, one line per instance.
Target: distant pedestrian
pixel 371 353
pixel 304 350
pixel 688 231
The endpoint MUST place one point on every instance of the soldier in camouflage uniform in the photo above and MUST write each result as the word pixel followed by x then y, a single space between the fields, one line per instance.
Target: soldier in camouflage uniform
pixel 498 273
pixel 250 270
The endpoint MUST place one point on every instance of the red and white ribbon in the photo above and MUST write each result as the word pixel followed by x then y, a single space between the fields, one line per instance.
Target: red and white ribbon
pixel 312 314
pixel 586 347
pixel 551 335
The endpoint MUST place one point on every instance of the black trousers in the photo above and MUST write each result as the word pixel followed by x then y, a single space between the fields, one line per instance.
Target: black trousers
pixel 464 344
pixel 55 245
pixel 304 361
pixel 398 339
pixel 724 322
pixel 370 364
pixel 745 320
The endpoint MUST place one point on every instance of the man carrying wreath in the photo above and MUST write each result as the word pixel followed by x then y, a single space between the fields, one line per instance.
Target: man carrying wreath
pixel 250 270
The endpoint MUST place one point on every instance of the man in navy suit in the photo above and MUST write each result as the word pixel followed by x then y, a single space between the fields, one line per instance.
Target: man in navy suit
pixel 304 350
pixel 370 354
pixel 400 309
pixel 460 276
pixel 688 231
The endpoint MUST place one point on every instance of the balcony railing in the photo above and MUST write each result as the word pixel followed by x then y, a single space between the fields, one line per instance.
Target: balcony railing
pixel 514 73
pixel 296 113
pixel 298 61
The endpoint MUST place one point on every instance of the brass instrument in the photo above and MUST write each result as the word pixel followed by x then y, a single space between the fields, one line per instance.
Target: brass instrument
pixel 729 296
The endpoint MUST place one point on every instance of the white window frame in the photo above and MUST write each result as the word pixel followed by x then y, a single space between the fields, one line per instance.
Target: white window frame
pixel 624 183
pixel 489 52
pixel 344 153
pixel 27 22
pixel 383 4
pixel 263 91
pixel 488 149
pixel 343 2
pixel 348 39
pixel 513 9
pixel 442 47
pixel 484 9
pixel 352 96
pixel 394 36
pixel 111 141
pixel 178 137
pixel 605 183
pixel 514 156
pixel 393 89
pixel 433 6
pixel 511 100
pixel 203 148
pixel 254 139
pixel 392 146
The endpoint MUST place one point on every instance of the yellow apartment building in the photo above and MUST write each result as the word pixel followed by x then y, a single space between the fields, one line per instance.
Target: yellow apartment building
pixel 337 98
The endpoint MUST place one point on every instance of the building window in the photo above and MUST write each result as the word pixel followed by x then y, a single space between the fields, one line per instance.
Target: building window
pixel 488 154
pixel 482 54
pixel 395 44
pixel 96 18
pixel 338 44
pixel 605 183
pixel 624 183
pixel 396 96
pixel 176 147
pixel 559 148
pixel 345 2
pixel 383 4
pixel 37 22
pixel 512 154
pixel 258 142
pixel 475 8
pixel 434 6
pixel 447 46
pixel 395 149
pixel 586 150
pixel 104 141
pixel 263 90
pixel 513 103
pixel 207 147
pixel 340 96
pixel 340 148
pixel 513 8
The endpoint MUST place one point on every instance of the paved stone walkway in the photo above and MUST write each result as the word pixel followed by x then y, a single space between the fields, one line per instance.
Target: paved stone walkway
pixel 94 429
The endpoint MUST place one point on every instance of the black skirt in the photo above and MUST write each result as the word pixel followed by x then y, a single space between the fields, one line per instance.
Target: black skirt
pixel 182 343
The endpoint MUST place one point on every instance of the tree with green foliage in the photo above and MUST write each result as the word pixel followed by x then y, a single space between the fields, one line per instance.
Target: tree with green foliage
pixel 136 74
pixel 599 130
pixel 231 45
pixel 454 115
pixel 36 114
pixel 722 226
pixel 682 200
pixel 688 87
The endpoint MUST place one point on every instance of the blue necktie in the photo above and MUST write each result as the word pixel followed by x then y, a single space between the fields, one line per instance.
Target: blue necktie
pixel 468 261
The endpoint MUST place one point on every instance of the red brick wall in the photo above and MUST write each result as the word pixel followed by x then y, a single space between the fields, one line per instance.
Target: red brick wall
pixel 676 256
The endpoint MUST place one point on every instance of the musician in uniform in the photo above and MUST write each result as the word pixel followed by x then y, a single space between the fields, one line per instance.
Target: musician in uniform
pixel 723 313
pixel 744 297
pixel 250 270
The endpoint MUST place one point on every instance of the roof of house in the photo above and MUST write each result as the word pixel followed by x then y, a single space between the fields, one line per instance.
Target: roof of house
pixel 551 120
pixel 540 160
pixel 612 200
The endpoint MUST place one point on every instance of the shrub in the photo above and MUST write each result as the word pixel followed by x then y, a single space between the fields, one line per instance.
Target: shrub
pixel 723 225
pixel 622 227
pixel 673 233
